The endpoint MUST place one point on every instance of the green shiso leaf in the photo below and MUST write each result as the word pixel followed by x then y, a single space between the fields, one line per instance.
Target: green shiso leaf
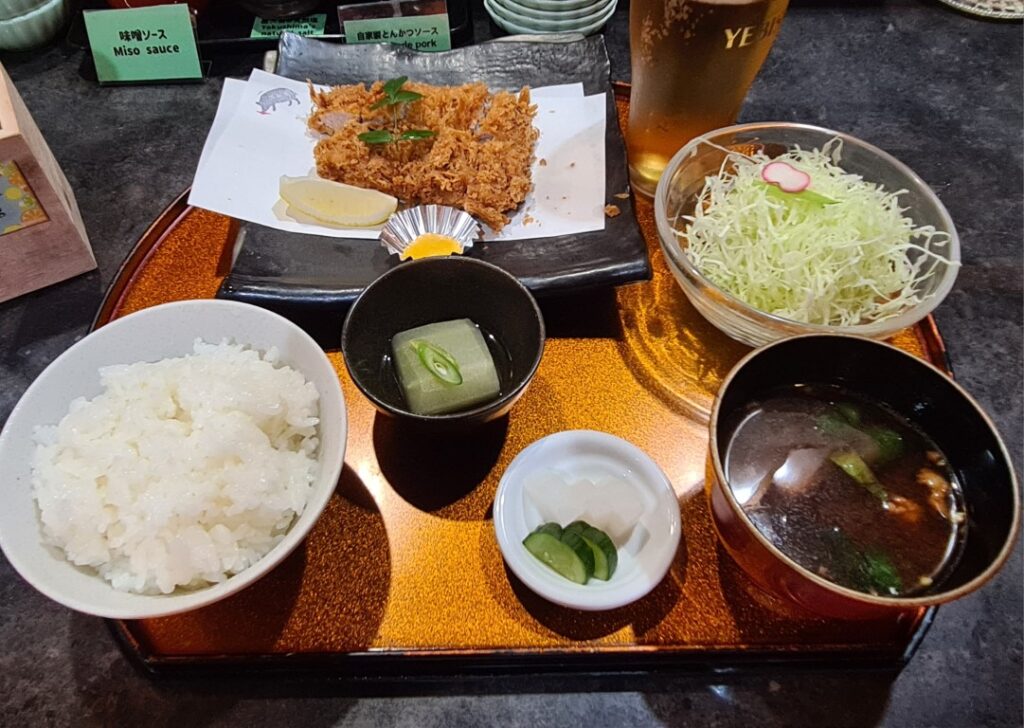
pixel 378 136
pixel 415 134
pixel 392 87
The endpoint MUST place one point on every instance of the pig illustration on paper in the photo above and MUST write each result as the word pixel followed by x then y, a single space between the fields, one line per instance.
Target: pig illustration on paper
pixel 269 100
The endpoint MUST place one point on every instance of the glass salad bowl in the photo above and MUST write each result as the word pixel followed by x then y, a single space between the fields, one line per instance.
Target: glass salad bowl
pixel 937 257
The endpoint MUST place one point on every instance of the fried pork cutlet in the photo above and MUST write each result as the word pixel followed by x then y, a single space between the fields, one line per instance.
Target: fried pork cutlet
pixel 479 159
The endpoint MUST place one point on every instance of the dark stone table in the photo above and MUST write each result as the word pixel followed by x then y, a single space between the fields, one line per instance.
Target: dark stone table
pixel 940 90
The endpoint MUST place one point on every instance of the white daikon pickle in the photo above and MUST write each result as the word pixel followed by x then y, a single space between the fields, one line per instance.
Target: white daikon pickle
pixel 615 507
pixel 444 367
pixel 637 540
pixel 610 504
pixel 556 499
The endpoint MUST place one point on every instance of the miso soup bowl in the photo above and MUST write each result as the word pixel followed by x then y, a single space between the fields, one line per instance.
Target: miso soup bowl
pixel 430 290
pixel 912 388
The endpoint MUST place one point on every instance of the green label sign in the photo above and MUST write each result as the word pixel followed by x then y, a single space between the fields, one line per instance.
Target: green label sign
pixel 309 25
pixel 143 44
pixel 420 32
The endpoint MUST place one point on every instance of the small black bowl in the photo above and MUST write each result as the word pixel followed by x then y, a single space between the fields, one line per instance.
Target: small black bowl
pixel 441 289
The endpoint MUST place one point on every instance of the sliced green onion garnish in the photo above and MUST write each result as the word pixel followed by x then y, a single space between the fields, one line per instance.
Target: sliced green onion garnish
pixel 438 361
pixel 853 465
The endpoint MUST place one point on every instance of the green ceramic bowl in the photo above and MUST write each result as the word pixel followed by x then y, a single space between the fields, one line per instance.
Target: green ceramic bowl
pixel 556 5
pixel 589 13
pixel 34 28
pixel 514 22
pixel 13 8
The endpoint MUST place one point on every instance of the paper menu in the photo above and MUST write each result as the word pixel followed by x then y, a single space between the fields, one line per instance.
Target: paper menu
pixel 260 134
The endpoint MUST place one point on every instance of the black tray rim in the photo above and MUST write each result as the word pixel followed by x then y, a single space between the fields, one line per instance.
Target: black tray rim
pixel 390 670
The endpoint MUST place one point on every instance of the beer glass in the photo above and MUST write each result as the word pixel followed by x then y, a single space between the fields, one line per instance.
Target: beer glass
pixel 693 62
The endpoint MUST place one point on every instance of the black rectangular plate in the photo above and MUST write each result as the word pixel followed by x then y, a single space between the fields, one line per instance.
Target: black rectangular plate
pixel 292 271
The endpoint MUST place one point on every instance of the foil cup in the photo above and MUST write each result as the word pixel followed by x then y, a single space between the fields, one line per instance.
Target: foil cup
pixel 406 225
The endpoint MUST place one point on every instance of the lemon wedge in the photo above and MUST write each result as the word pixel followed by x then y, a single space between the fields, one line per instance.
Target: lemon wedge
pixel 336 203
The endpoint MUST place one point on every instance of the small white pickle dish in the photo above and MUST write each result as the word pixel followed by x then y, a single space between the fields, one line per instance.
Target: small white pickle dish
pixel 575 455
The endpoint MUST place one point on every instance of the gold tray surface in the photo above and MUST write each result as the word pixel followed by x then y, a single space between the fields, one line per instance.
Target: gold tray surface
pixel 404 560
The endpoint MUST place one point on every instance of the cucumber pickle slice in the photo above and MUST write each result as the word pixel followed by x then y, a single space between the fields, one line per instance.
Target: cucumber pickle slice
pixel 553 528
pixel 577 552
pixel 606 556
pixel 571 559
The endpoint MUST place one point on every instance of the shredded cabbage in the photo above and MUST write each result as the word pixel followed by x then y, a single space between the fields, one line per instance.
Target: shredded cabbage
pixel 837 257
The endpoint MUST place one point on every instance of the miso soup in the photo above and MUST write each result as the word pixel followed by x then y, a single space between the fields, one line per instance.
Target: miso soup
pixel 848 489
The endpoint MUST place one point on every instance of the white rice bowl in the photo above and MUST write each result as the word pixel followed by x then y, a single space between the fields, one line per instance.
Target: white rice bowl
pixel 171 484
pixel 183 471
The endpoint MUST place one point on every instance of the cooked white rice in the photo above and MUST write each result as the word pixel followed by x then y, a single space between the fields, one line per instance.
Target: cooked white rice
pixel 183 471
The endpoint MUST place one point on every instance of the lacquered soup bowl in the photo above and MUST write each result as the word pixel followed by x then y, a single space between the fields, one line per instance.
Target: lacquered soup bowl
pixel 917 391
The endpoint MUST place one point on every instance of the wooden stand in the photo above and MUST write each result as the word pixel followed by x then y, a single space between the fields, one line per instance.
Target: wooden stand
pixel 42 238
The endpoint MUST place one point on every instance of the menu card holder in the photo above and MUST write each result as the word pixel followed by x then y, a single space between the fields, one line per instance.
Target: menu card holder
pixel 42 237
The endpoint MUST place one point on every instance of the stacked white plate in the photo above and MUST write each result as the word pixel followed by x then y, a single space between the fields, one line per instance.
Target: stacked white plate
pixel 551 16
pixel 27 24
